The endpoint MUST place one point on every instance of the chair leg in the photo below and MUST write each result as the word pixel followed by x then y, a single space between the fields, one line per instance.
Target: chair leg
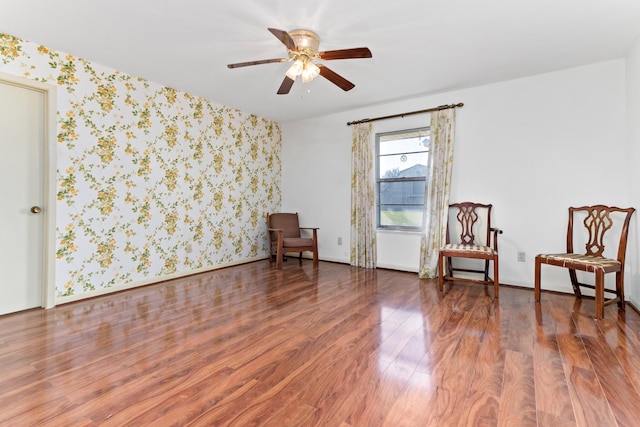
pixel 486 271
pixel 440 272
pixel 496 280
pixel 599 294
pixel 300 258
pixel 620 289
pixel 574 283
pixel 536 280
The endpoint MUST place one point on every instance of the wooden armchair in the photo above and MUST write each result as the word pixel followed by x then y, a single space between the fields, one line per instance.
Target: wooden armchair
pixel 470 235
pixel 597 221
pixel 284 237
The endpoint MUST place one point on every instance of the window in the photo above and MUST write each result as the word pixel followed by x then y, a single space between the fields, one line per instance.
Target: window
pixel 400 179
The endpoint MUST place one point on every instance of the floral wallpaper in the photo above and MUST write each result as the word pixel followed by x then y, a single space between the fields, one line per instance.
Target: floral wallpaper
pixel 151 181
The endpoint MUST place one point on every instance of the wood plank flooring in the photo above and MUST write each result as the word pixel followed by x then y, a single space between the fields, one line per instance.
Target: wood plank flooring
pixel 335 346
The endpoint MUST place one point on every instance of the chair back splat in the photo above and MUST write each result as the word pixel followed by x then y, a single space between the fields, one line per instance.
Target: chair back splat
pixel 471 236
pixel 600 224
pixel 467 217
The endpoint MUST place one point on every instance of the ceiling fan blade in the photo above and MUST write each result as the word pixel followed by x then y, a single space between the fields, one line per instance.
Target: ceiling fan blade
pixel 285 87
pixel 336 78
pixel 262 61
pixel 359 52
pixel 284 37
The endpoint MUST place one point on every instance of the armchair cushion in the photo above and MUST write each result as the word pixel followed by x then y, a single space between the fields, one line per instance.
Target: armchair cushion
pixel 296 242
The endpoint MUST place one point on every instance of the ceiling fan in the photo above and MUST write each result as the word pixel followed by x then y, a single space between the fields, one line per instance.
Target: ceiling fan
pixel 302 47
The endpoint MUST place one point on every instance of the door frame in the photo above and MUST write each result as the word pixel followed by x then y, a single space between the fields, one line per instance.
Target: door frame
pixel 49 186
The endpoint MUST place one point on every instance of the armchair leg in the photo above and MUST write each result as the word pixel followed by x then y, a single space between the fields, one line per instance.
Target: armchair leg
pixel 279 257
pixel 315 248
pixel 279 251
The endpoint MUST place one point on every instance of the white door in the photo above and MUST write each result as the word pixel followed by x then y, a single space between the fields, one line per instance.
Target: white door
pixel 22 136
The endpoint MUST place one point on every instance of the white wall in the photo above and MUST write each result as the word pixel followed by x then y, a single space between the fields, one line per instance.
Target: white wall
pixel 633 116
pixel 532 147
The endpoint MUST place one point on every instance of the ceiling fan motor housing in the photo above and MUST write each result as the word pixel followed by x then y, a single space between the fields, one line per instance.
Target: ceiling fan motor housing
pixel 305 40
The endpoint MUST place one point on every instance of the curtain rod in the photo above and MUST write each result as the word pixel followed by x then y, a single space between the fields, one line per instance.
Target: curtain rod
pixel 428 110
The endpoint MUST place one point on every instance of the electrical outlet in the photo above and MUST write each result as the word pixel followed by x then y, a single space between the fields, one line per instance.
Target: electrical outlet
pixel 521 256
pixel 339 241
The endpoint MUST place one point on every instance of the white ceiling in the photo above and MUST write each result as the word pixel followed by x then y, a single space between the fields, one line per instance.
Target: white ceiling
pixel 419 47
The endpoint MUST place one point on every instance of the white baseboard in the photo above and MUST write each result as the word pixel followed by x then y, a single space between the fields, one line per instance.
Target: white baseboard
pixel 158 279
pixel 397 267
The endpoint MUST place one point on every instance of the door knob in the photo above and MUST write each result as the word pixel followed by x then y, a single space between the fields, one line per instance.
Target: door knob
pixel 36 209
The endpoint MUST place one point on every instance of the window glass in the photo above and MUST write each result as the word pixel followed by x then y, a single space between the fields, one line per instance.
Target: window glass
pixel 402 159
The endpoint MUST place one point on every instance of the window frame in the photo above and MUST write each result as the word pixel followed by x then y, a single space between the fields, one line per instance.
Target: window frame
pixel 378 180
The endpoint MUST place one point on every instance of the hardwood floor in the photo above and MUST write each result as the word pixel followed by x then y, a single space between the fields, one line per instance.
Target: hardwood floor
pixel 336 346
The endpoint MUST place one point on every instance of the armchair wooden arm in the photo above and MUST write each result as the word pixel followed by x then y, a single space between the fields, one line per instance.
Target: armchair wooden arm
pixel 494 232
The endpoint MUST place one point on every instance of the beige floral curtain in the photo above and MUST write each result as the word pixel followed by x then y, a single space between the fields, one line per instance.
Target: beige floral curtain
pixel 363 223
pixel 437 190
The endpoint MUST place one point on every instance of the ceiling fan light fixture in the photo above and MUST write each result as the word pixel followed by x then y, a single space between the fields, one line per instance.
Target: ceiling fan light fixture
pixel 310 72
pixel 295 69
